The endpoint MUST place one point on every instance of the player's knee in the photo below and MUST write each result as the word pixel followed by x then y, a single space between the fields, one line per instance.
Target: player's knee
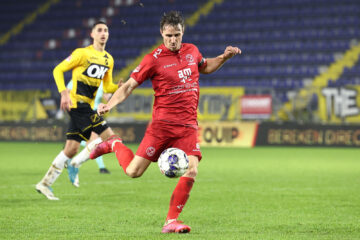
pixel 191 172
pixel 70 152
pixel 134 172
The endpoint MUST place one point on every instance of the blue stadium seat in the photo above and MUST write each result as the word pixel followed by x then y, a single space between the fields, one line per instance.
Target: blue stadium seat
pixel 283 42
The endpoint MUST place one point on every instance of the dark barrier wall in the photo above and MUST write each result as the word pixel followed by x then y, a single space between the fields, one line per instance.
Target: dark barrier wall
pixel 289 134
pixel 55 132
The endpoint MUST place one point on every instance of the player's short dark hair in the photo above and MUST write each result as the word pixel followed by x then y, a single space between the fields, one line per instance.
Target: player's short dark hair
pixel 97 23
pixel 172 18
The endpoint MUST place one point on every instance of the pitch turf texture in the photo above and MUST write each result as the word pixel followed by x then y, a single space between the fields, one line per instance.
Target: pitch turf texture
pixel 259 193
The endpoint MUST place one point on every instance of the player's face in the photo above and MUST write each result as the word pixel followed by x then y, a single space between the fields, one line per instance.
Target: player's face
pixel 100 33
pixel 172 36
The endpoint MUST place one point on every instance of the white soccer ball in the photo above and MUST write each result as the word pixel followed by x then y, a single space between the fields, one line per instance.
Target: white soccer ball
pixel 173 162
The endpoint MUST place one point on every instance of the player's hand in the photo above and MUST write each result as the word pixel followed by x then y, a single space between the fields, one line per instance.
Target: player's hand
pixel 231 51
pixel 121 82
pixel 65 102
pixel 102 109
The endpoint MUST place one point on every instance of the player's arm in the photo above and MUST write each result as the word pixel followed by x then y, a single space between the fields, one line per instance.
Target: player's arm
pixel 109 86
pixel 69 63
pixel 142 72
pixel 215 63
pixel 119 96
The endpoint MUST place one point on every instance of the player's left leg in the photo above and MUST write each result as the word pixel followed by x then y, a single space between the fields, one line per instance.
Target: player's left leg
pixel 84 155
pixel 74 164
pixel 137 166
pixel 179 198
pixel 133 166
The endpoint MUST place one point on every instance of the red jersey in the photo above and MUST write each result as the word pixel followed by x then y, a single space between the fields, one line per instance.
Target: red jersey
pixel 175 80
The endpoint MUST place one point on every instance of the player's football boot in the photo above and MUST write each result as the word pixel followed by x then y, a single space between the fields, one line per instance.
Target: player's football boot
pixel 104 171
pixel 76 180
pixel 176 227
pixel 46 191
pixel 73 174
pixel 105 147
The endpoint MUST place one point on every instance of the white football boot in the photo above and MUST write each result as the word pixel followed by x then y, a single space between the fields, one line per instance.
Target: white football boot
pixel 45 190
pixel 76 182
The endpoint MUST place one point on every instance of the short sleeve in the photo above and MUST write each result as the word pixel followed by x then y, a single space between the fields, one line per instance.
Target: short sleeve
pixel 201 60
pixel 144 70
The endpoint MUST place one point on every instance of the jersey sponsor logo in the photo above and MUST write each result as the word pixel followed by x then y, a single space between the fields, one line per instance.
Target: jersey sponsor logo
pixel 157 53
pixel 96 71
pixel 188 87
pixel 185 74
pixel 150 151
pixel 170 65
pixel 190 59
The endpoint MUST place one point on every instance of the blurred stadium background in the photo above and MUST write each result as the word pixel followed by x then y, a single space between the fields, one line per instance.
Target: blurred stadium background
pixel 299 65
pixel 295 84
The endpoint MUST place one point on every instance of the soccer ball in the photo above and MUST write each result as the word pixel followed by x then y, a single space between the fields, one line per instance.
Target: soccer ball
pixel 173 162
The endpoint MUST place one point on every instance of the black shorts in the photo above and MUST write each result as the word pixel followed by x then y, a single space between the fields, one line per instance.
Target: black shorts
pixel 83 121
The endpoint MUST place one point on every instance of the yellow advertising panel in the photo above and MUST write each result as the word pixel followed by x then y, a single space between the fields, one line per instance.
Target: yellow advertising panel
pixel 214 104
pixel 138 106
pixel 22 105
pixel 227 134
pixel 220 104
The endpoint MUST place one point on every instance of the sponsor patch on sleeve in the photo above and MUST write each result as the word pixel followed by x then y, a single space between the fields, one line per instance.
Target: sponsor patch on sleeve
pixel 137 69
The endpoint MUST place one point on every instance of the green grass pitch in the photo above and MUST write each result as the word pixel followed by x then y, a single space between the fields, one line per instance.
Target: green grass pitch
pixel 260 193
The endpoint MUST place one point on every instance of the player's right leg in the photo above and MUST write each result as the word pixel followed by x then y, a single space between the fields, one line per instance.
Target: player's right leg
pixel 101 165
pixel 133 166
pixel 84 155
pixel 44 186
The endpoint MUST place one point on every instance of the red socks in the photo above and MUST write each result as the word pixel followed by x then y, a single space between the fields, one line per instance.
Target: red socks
pixel 123 154
pixel 179 197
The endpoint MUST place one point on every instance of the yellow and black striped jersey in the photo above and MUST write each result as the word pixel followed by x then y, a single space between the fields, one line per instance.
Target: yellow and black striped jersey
pixel 89 68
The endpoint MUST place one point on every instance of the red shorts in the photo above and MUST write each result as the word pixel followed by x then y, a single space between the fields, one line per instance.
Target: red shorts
pixel 161 135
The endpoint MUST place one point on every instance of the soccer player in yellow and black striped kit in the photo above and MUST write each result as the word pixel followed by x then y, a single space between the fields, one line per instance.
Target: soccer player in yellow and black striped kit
pixel 90 66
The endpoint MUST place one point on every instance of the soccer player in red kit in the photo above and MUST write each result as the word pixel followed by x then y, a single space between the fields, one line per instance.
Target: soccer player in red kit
pixel 174 69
